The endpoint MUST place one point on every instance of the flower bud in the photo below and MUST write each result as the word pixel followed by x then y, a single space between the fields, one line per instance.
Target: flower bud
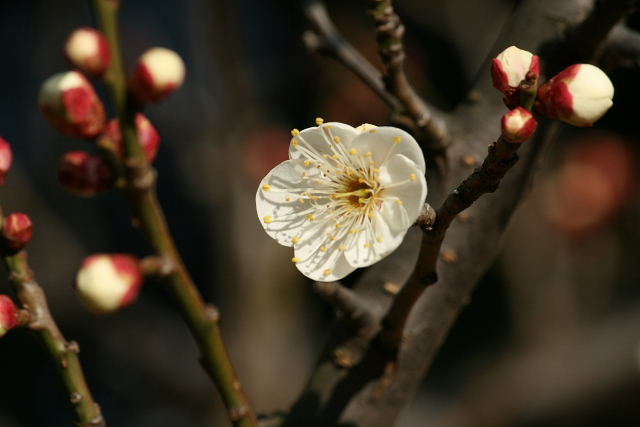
pixel 71 105
pixel 159 72
pixel 84 174
pixel 148 137
pixel 108 282
pixel 88 49
pixel 8 315
pixel 518 125
pixel 578 95
pixel 17 230
pixel 509 68
pixel 6 159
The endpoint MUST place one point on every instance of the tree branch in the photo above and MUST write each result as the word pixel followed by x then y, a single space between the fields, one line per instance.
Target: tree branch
pixel 64 353
pixel 375 389
pixel 389 34
pixel 202 319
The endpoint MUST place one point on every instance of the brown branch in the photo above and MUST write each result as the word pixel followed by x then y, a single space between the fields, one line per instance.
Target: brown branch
pixel 64 353
pixel 389 33
pixel 327 40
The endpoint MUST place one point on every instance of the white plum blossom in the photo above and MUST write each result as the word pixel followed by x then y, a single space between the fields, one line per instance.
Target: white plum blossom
pixel 345 198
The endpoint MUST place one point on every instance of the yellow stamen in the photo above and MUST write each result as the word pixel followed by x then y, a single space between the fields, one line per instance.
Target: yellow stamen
pixel 341 248
pixel 296 240
pixel 310 217
pixel 319 121
pixel 301 200
pixel 379 239
pixel 327 272
pixel 368 154
pixel 353 151
pixel 267 219
pixel 397 140
pixel 323 249
pixel 307 163
pixel 295 132
pixel 372 131
pixel 337 139
pixel 325 156
pixel 367 244
pixel 400 202
pixel 295 259
pixel 266 187
pixel 294 142
pixel 413 177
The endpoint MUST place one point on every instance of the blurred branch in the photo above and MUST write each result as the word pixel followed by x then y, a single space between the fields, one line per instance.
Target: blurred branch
pixel 622 45
pixel 202 319
pixel 345 302
pixel 64 353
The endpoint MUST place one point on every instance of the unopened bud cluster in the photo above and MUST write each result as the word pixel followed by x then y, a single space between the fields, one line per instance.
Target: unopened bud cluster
pixel 17 231
pixel 109 282
pixel 70 103
pixel 579 95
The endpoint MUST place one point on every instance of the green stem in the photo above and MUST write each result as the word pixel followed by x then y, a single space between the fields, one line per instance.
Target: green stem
pixel 201 318
pixel 64 353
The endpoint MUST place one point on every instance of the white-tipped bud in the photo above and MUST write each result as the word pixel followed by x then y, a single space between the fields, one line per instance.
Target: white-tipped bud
pixel 71 105
pixel 509 68
pixel 88 49
pixel 579 95
pixel 518 125
pixel 108 282
pixel 159 72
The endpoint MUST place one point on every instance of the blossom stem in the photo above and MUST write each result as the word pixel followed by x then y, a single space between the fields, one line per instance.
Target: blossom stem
pixel 64 353
pixel 202 319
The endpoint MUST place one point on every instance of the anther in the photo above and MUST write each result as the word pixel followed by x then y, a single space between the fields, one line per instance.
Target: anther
pixel 337 139
pixel 295 132
pixel 326 272
pixel 266 187
pixel 413 177
pixel 268 219
pixel 319 121
pixel 397 140
pixel 295 259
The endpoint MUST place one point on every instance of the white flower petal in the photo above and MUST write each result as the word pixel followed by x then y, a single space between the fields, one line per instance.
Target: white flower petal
pixel 403 184
pixel 373 243
pixel 385 141
pixel 278 201
pixel 325 266
pixel 313 142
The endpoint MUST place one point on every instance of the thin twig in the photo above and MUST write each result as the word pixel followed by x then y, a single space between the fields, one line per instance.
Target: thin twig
pixel 64 353
pixel 327 40
pixel 202 319
pixel 389 34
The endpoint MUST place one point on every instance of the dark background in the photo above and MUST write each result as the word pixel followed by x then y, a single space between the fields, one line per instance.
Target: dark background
pixel 551 336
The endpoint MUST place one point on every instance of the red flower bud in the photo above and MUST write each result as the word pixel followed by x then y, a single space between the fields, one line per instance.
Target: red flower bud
pixel 71 105
pixel 8 315
pixel 518 125
pixel 6 159
pixel 578 95
pixel 159 72
pixel 147 135
pixel 88 49
pixel 108 282
pixel 84 174
pixel 17 230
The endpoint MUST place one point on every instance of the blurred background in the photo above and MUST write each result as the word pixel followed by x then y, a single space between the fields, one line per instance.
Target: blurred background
pixel 551 336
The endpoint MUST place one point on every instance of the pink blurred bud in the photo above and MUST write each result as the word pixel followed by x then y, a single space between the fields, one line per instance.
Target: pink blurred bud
pixel 84 174
pixel 159 72
pixel 8 315
pixel 71 105
pixel 17 230
pixel 6 159
pixel 88 49
pixel 509 68
pixel 147 135
pixel 518 125
pixel 109 282
pixel 579 95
